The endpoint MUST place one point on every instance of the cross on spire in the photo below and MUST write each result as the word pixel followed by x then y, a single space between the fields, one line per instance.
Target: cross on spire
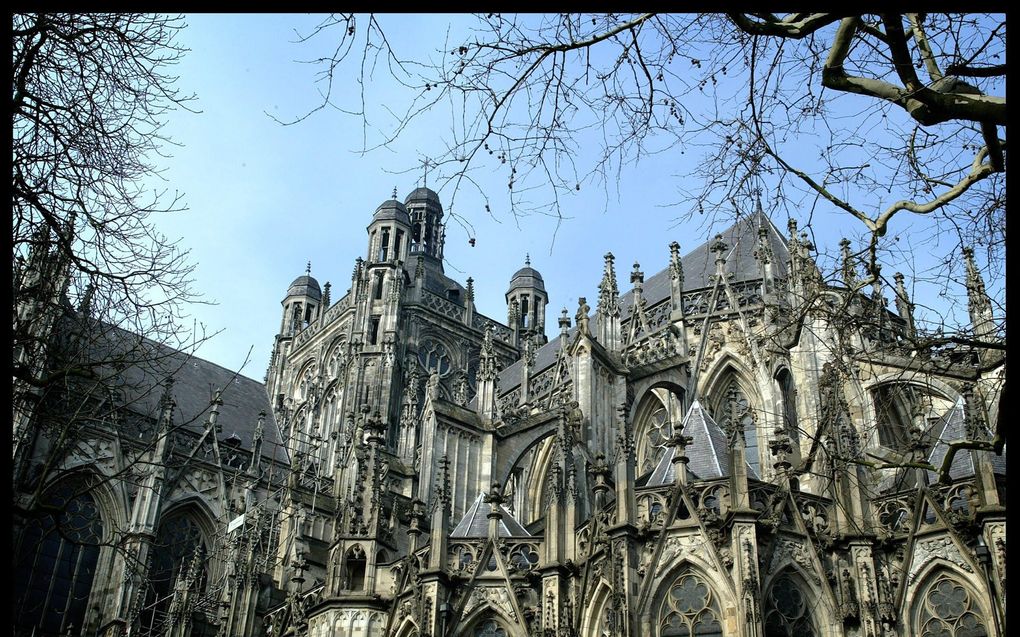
pixel 425 170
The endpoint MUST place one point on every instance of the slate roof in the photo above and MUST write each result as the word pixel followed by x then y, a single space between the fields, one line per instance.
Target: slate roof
pixel 741 239
pixel 475 522
pixel 146 364
pixel 423 194
pixel 391 209
pixel 305 285
pixel 709 452
pixel 951 427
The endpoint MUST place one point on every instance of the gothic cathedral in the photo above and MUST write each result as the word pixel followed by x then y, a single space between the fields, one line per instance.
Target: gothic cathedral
pixel 735 446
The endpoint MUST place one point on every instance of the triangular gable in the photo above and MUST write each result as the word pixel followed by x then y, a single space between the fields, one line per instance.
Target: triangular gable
pixel 475 522
pixel 709 451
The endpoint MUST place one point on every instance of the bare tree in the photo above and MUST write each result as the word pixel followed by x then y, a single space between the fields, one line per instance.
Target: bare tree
pixel 902 105
pixel 893 122
pixel 89 93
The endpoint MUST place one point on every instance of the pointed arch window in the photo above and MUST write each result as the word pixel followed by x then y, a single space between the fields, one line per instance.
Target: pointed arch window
pixel 657 418
pixel 179 543
pixel 56 565
pixel 947 609
pixel 787 611
pixel 489 628
pixel 690 609
pixel 745 416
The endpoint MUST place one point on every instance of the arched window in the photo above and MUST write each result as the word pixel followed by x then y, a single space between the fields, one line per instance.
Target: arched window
pixel 745 414
pixel 659 414
pixel 489 628
pixel 178 540
pixel 354 566
pixel 689 609
pixel 789 395
pixel 56 565
pixel 787 612
pixel 947 609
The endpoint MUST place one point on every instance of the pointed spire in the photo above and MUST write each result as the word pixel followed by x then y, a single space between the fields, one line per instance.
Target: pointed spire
pixel 394 192
pixel 979 305
pixel 326 301
pixel 308 269
pixel 849 269
pixel 256 443
pixel 214 413
pixel 443 493
pixel 903 304
pixel 608 290
pixel 167 403
pixel 763 251
pixel 487 357
pixel 470 289
pixel 527 260
pixel 607 312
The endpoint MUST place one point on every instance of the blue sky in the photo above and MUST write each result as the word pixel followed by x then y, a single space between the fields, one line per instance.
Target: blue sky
pixel 263 199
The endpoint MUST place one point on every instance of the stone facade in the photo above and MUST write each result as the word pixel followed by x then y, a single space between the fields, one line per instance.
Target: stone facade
pixel 733 447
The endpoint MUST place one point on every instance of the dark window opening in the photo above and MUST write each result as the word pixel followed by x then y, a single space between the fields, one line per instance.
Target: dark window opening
pixel 373 331
pixel 385 244
pixel 56 565
pixel 396 244
pixel 377 290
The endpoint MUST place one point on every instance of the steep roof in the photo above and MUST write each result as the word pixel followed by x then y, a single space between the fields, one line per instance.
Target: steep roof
pixel 951 427
pixel 138 367
pixel 475 522
pixel 709 452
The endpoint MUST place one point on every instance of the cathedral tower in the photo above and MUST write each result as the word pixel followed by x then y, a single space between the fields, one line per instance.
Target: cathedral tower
pixel 526 300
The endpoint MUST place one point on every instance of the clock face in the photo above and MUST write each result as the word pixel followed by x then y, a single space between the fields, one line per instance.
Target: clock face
pixel 433 357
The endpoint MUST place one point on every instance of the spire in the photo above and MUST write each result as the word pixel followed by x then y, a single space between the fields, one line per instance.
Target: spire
pixel 256 443
pixel 903 304
pixel 676 282
pixel 607 313
pixel 470 289
pixel 487 358
pixel 308 269
pixel 527 259
pixel 394 192
pixel 167 403
pixel 849 265
pixel 608 290
pixel 214 413
pixel 325 295
pixel 978 303
pixel 486 379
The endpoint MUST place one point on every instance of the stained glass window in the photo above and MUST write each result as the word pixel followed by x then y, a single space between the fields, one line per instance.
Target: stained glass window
pixel 787 612
pixel 947 610
pixel 690 609
pixel 57 564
